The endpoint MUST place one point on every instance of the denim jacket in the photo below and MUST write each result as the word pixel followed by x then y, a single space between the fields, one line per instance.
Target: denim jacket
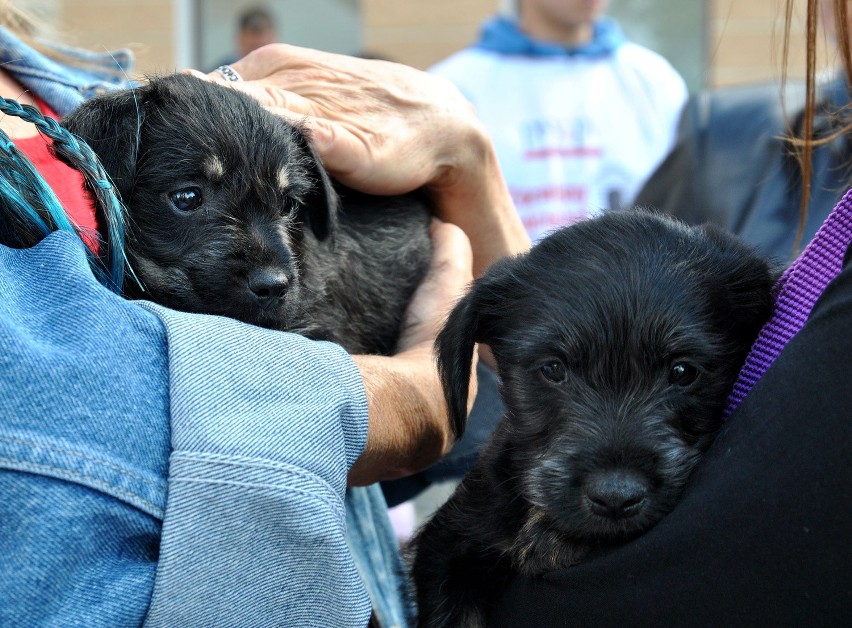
pixel 187 467
pixel 64 87
pixel 157 466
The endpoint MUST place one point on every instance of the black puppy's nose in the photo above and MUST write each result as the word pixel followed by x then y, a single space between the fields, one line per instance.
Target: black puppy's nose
pixel 615 494
pixel 268 285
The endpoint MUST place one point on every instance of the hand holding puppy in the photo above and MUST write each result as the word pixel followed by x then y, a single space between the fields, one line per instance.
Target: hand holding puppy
pixel 386 128
pixel 366 116
pixel 409 428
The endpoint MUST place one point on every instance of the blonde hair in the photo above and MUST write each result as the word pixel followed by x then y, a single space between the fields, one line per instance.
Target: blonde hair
pixel 33 31
pixel 20 22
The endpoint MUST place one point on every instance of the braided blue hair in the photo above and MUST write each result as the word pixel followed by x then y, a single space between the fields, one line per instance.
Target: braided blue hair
pixel 29 210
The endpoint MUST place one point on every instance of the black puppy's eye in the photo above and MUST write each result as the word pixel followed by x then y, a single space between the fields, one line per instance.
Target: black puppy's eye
pixel 187 199
pixel 682 374
pixel 555 372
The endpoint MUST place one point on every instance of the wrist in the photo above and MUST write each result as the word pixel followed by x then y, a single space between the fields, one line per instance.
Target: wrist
pixel 409 427
pixel 470 192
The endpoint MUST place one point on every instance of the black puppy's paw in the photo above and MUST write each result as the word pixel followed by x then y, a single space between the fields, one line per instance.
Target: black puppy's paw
pixel 539 548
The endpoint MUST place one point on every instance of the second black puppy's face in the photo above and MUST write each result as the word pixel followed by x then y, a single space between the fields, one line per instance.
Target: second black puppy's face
pixel 220 194
pixel 617 342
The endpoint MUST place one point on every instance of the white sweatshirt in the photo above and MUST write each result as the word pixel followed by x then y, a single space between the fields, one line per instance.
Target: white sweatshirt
pixel 576 133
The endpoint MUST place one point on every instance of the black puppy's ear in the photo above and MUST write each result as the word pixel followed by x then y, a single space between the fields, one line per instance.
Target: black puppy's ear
pixel 111 125
pixel 454 346
pixel 747 278
pixel 323 204
pixel 472 320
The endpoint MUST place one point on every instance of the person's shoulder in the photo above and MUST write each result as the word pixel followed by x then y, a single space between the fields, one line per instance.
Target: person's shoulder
pixel 761 108
pixel 461 63
pixel 646 61
pixel 652 75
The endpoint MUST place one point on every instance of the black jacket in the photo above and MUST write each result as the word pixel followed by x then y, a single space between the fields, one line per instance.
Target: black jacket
pixel 731 165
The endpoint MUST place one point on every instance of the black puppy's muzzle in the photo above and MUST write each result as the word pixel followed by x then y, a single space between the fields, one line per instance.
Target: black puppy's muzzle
pixel 268 286
pixel 615 494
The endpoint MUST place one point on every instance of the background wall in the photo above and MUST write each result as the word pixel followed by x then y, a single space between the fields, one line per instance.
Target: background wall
pixel 148 27
pixel 333 25
pixel 674 28
pixel 420 33
pixel 746 37
pixel 711 42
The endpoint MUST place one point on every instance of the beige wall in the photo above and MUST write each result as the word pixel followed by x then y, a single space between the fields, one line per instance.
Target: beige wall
pixel 744 36
pixel 746 39
pixel 145 26
pixel 422 32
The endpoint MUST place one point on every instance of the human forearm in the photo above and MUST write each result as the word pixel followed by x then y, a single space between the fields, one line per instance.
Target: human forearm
pixel 408 426
pixel 264 428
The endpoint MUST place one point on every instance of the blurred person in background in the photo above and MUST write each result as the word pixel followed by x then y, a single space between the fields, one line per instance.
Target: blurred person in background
pixel 255 28
pixel 579 115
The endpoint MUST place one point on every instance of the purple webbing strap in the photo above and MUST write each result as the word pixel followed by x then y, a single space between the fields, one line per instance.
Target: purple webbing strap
pixel 795 295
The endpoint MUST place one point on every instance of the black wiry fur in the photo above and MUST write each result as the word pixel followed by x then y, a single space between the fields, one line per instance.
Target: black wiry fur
pixel 621 312
pixel 267 244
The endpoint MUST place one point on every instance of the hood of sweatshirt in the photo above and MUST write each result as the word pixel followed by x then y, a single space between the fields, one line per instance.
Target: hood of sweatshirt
pixel 501 34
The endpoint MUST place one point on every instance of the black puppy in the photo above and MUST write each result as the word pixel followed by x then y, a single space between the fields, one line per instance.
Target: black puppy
pixel 232 213
pixel 617 340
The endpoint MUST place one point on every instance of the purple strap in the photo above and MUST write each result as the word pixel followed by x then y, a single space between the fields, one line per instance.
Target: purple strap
pixel 795 294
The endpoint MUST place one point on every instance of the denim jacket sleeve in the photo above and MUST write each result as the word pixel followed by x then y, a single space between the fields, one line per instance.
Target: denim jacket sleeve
pixel 64 86
pixel 187 467
pixel 254 532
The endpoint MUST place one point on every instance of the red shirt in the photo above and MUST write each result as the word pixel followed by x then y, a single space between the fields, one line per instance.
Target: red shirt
pixel 66 182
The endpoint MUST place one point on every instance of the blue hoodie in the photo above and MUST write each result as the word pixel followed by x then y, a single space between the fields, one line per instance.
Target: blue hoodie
pixel 502 35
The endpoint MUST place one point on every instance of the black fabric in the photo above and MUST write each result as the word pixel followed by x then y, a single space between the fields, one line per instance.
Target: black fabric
pixel 763 535
pixel 731 165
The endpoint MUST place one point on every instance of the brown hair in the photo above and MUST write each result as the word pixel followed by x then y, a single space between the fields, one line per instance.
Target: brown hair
pixel 805 141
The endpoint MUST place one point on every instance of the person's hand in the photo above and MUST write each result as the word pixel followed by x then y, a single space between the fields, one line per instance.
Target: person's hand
pixel 409 427
pixel 366 118
pixel 386 128
pixel 448 278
